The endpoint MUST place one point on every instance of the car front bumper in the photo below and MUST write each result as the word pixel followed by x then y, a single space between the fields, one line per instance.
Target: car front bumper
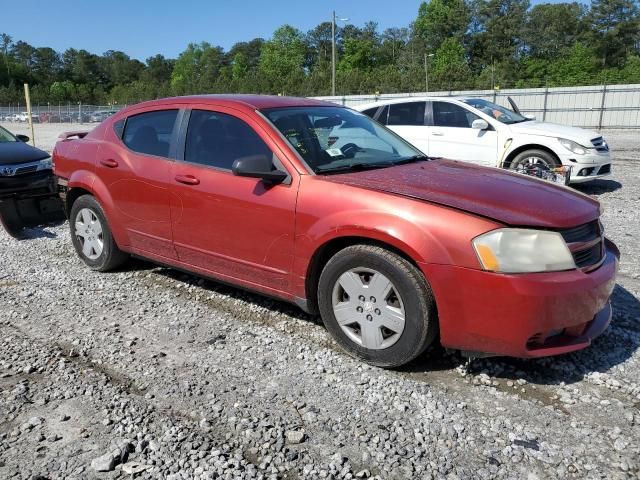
pixel 37 181
pixel 590 166
pixel 524 315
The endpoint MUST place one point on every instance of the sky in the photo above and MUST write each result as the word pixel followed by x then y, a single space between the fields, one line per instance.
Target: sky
pixel 142 28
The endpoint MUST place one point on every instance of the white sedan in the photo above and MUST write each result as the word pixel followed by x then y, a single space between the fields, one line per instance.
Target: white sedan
pixel 478 131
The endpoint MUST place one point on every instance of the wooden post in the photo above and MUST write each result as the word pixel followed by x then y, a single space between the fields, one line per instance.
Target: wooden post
pixel 27 97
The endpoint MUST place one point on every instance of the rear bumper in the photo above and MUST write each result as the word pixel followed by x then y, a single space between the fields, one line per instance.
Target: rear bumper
pixel 527 315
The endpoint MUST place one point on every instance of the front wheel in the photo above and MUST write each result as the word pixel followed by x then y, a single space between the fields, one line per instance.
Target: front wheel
pixel 92 237
pixel 377 305
pixel 534 159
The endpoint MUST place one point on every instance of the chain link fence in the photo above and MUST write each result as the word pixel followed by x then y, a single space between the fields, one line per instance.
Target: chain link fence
pixel 58 113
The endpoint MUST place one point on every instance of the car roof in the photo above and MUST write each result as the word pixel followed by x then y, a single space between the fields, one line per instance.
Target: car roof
pixel 391 101
pixel 254 102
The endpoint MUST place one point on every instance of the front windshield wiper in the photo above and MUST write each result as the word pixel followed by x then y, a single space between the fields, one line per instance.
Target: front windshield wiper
pixel 355 166
pixel 415 158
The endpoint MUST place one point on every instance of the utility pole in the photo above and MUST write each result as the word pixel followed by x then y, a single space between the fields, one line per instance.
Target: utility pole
pixel 426 71
pixel 333 54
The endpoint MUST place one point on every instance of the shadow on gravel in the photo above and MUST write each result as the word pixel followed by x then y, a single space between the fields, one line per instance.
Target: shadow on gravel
pixel 618 343
pixel 232 293
pixel 38 232
pixel 598 187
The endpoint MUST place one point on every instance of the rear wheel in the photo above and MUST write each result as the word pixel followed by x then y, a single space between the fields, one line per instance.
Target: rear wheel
pixel 92 237
pixel 377 305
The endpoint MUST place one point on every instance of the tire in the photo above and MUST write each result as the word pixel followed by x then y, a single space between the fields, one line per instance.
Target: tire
pixel 91 236
pixel 362 329
pixel 544 160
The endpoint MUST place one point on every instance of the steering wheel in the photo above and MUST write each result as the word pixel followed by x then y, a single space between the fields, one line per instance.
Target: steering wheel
pixel 349 150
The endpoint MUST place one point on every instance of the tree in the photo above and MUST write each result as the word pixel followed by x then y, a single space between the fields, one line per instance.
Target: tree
pixel 119 68
pixel 318 42
pixel 197 68
pixel 282 60
pixel 158 69
pixel 497 32
pixel 394 41
pixel 6 43
pixel 450 68
pixel 439 20
pixel 615 26
pixel 553 27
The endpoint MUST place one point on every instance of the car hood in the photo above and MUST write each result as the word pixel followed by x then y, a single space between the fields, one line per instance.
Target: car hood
pixel 19 152
pixel 510 198
pixel 545 129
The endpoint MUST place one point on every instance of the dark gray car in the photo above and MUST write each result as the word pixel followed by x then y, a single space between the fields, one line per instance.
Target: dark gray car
pixel 28 188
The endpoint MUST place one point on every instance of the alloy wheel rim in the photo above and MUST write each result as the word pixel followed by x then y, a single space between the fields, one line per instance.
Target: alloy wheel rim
pixel 368 308
pixel 535 161
pixel 88 230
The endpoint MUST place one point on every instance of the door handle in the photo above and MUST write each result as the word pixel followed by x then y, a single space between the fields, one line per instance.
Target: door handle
pixel 437 134
pixel 109 162
pixel 187 179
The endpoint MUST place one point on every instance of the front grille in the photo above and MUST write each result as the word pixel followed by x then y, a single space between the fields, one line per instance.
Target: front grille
pixel 25 170
pixel 583 233
pixel 599 144
pixel 605 169
pixel 588 257
pixel 585 243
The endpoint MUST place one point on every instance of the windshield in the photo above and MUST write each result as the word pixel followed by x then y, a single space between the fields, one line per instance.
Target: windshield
pixel 5 136
pixel 336 139
pixel 502 114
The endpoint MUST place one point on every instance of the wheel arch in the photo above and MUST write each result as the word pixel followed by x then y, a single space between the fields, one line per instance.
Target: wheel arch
pixel 506 163
pixel 329 248
pixel 86 183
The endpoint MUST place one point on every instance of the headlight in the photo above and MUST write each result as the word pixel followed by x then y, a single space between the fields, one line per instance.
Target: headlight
pixel 45 164
pixel 573 146
pixel 517 250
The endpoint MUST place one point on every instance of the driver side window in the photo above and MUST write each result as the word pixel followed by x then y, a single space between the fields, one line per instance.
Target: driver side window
pixel 217 140
pixel 447 114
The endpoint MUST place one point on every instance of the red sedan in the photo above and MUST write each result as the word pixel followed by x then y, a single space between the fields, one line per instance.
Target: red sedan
pixel 321 206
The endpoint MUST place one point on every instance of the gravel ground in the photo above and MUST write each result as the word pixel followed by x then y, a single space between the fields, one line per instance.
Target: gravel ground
pixel 151 373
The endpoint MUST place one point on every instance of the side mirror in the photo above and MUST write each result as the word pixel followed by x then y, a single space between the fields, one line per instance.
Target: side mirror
pixel 23 138
pixel 258 166
pixel 480 124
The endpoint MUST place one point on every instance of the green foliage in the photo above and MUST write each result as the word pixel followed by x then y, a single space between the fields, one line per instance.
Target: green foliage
pixel 474 43
pixel 553 27
pixel 615 29
pixel 282 60
pixel 439 20
pixel 450 64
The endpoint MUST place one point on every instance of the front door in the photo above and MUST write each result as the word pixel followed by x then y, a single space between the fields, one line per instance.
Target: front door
pixel 235 228
pixel 451 136
pixel 136 170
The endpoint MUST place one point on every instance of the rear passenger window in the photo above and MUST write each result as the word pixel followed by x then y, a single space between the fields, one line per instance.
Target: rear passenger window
pixel 217 140
pixel 410 113
pixel 150 133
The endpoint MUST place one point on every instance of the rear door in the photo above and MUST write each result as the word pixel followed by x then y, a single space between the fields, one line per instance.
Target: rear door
pixel 407 119
pixel 451 135
pixel 233 227
pixel 136 167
